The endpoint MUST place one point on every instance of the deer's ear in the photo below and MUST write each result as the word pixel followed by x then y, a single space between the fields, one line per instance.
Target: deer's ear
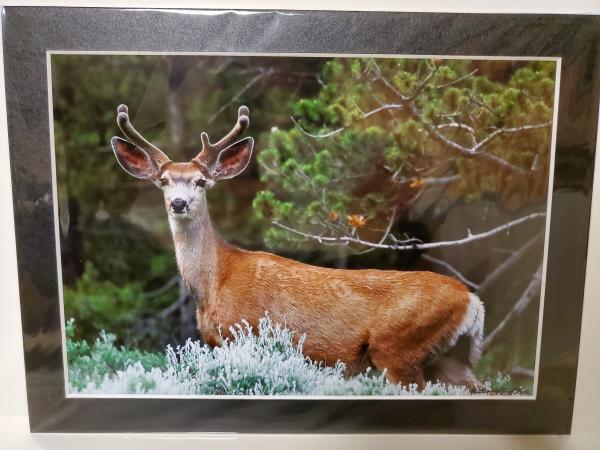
pixel 233 160
pixel 132 159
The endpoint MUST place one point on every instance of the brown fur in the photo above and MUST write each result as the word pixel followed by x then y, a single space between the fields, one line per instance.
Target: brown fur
pixel 390 319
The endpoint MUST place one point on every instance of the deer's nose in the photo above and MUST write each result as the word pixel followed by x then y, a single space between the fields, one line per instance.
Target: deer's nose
pixel 178 205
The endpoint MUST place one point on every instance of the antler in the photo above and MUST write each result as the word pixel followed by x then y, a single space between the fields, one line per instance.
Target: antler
pixel 209 153
pixel 156 155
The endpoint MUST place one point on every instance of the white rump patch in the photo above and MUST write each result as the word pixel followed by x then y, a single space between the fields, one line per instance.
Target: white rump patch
pixel 471 326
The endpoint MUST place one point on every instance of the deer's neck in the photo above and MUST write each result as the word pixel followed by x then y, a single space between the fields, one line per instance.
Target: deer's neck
pixel 197 248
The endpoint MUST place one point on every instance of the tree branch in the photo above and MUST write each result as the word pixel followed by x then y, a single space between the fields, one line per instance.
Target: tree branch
pixel 508 262
pixel 407 103
pixel 385 107
pixel 458 125
pixel 387 231
pixel 528 294
pixel 317 136
pixel 385 82
pixel 450 268
pixel 248 85
pixel 181 300
pixel 476 150
pixel 458 80
pixel 428 180
pixel 164 288
pixel 414 243
pixel 421 86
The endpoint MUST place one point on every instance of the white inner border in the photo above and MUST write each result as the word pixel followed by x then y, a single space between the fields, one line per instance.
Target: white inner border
pixel 558 62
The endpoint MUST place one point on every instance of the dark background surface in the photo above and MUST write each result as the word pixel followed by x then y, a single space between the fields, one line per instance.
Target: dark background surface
pixel 30 32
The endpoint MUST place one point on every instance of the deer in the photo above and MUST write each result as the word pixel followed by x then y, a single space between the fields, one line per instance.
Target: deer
pixel 414 326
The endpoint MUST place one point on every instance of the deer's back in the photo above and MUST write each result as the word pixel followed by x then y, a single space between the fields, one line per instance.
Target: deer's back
pixel 339 310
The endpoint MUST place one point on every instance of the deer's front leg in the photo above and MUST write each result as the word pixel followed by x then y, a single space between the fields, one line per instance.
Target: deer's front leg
pixel 208 326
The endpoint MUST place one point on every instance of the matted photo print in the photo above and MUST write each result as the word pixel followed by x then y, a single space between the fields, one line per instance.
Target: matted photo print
pixel 287 226
pixel 300 221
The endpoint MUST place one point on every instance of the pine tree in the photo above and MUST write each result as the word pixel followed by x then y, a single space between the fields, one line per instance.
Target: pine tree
pixel 381 133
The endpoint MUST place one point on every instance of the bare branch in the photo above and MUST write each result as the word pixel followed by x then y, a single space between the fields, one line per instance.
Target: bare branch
pixel 317 136
pixel 385 82
pixel 477 149
pixel 164 288
pixel 181 300
pixel 386 107
pixel 461 126
pixel 458 80
pixel 483 105
pixel 429 180
pixel 387 231
pixel 421 85
pixel 241 92
pixel 261 72
pixel 345 240
pixel 450 268
pixel 528 294
pixel 507 263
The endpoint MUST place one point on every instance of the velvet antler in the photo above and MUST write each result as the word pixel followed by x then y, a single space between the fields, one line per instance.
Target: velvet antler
pixel 156 155
pixel 210 152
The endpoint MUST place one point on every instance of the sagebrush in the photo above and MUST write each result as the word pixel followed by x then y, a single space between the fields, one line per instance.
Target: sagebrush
pixel 269 362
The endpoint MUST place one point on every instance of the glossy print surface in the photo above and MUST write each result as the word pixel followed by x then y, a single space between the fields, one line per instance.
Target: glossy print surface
pixel 29 33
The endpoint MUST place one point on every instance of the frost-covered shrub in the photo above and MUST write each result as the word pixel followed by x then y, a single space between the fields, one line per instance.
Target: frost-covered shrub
pixel 268 362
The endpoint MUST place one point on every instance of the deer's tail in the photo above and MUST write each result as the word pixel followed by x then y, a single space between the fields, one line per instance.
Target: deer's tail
pixel 473 327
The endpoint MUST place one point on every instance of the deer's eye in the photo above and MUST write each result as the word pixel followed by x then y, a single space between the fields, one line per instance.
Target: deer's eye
pixel 200 182
pixel 163 181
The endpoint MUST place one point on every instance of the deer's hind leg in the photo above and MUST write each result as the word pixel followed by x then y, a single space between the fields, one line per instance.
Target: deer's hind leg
pixel 449 369
pixel 401 364
pixel 455 366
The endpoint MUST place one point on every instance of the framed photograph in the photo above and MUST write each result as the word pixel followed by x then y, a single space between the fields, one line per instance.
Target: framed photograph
pixel 272 221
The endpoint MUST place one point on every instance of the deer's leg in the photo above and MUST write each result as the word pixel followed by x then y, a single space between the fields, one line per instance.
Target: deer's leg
pixel 449 369
pixel 406 376
pixel 401 365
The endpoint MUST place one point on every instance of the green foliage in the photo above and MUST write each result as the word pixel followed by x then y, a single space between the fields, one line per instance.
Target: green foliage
pixel 89 365
pixel 493 366
pixel 100 304
pixel 374 143
pixel 502 384
pixel 268 362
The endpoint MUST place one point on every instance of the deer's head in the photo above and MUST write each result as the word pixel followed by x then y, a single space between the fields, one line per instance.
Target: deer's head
pixel 183 184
